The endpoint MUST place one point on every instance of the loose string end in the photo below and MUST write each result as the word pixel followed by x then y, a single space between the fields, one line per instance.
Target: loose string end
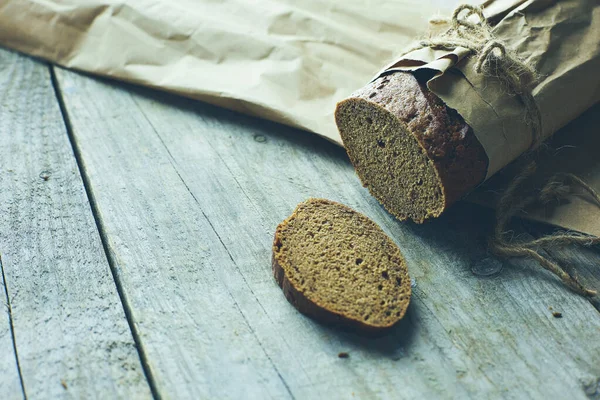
pixel 510 204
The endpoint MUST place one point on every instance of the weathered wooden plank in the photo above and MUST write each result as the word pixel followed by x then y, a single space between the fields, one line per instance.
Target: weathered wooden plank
pixel 584 262
pixel 200 192
pixel 72 337
pixel 10 383
pixel 203 320
pixel 179 281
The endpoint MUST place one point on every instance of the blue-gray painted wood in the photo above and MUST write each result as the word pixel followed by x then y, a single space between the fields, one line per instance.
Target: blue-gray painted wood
pixel 72 337
pixel 189 196
pixel 10 383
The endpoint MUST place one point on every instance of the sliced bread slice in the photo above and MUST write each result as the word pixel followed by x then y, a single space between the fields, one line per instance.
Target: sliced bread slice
pixel 336 265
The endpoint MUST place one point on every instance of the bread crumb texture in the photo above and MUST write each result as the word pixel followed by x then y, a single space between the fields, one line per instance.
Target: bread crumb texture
pixel 415 155
pixel 337 265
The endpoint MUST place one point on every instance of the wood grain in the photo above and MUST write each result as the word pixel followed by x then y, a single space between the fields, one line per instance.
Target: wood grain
pixel 189 197
pixel 10 382
pixel 71 333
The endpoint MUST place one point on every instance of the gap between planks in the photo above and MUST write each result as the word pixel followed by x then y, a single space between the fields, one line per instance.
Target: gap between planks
pixel 12 329
pixel 212 227
pixel 111 262
pixel 433 312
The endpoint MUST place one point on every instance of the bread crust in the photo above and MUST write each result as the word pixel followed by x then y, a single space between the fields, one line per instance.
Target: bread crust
pixel 312 309
pixel 459 159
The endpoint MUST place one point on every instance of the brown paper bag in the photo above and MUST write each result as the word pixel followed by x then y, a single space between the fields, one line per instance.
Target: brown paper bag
pixel 283 60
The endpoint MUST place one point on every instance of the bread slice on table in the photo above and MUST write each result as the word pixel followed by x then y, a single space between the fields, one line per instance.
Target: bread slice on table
pixel 415 155
pixel 336 265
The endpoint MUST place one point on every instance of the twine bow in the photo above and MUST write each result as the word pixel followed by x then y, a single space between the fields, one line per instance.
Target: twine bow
pixel 493 58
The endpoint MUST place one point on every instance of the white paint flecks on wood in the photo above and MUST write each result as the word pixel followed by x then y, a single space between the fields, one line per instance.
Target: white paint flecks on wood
pixel 72 336
pixel 189 197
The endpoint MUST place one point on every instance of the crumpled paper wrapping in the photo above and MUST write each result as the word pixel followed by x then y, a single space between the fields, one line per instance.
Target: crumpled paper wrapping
pixel 285 60
pixel 561 40
pixel 571 149
pixel 291 61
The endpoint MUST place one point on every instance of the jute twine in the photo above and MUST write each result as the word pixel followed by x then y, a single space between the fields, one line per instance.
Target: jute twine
pixel 495 59
pixel 557 188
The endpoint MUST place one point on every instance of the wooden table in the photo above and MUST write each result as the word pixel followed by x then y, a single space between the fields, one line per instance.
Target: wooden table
pixel 135 241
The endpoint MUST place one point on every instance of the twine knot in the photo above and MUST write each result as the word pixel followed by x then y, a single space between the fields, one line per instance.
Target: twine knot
pixel 470 30
pixel 471 10
pixel 486 52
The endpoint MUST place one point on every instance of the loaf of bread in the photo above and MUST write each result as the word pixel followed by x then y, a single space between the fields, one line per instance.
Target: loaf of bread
pixel 336 265
pixel 415 155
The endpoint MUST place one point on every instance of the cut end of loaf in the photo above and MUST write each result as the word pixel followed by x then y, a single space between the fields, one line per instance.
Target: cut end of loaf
pixel 338 266
pixel 415 155
pixel 390 161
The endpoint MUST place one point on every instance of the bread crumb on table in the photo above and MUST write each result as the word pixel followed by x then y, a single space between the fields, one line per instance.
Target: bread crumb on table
pixel 343 355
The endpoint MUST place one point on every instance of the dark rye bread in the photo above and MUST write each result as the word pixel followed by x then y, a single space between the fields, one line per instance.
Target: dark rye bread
pixel 415 155
pixel 336 265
